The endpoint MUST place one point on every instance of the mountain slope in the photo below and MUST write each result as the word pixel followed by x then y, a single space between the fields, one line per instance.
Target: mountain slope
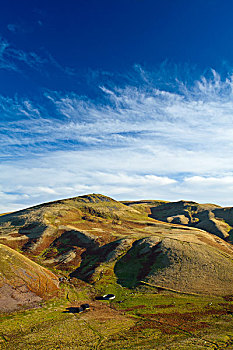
pixel 188 263
pixel 22 281
pixel 209 217
pixel 96 238
pixel 34 229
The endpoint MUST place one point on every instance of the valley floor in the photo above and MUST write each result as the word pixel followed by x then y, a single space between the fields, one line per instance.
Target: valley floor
pixel 135 319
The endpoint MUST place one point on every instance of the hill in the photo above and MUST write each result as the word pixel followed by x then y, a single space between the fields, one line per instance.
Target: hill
pixel 209 217
pixel 22 281
pixel 98 239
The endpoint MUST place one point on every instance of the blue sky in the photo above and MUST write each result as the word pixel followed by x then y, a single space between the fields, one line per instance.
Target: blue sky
pixel 132 99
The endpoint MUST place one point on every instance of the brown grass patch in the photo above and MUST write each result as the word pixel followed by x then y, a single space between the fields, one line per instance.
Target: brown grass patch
pixel 134 308
pixel 176 322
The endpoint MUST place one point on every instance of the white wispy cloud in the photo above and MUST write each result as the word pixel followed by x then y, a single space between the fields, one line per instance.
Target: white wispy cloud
pixel 11 57
pixel 15 59
pixel 136 141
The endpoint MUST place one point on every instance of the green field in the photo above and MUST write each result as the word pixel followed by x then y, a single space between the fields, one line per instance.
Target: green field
pixel 137 319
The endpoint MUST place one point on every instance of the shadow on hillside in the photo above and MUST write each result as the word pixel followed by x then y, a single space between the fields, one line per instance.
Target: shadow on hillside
pixel 134 266
pixel 91 259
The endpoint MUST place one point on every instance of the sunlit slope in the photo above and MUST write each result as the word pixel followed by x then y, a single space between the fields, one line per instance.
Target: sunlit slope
pixel 189 263
pixel 35 228
pixel 22 281
pixel 59 232
pixel 209 217
pixel 93 236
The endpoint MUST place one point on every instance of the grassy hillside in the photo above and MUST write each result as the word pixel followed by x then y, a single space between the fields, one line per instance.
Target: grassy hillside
pixel 92 236
pixel 22 281
pixel 184 264
pixel 209 217
pixel 173 280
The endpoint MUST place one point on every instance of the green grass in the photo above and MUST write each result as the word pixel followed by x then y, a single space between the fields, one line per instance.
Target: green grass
pixel 151 320
pixel 179 321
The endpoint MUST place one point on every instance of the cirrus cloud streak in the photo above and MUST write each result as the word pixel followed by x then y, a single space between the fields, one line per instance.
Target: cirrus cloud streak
pixel 134 141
